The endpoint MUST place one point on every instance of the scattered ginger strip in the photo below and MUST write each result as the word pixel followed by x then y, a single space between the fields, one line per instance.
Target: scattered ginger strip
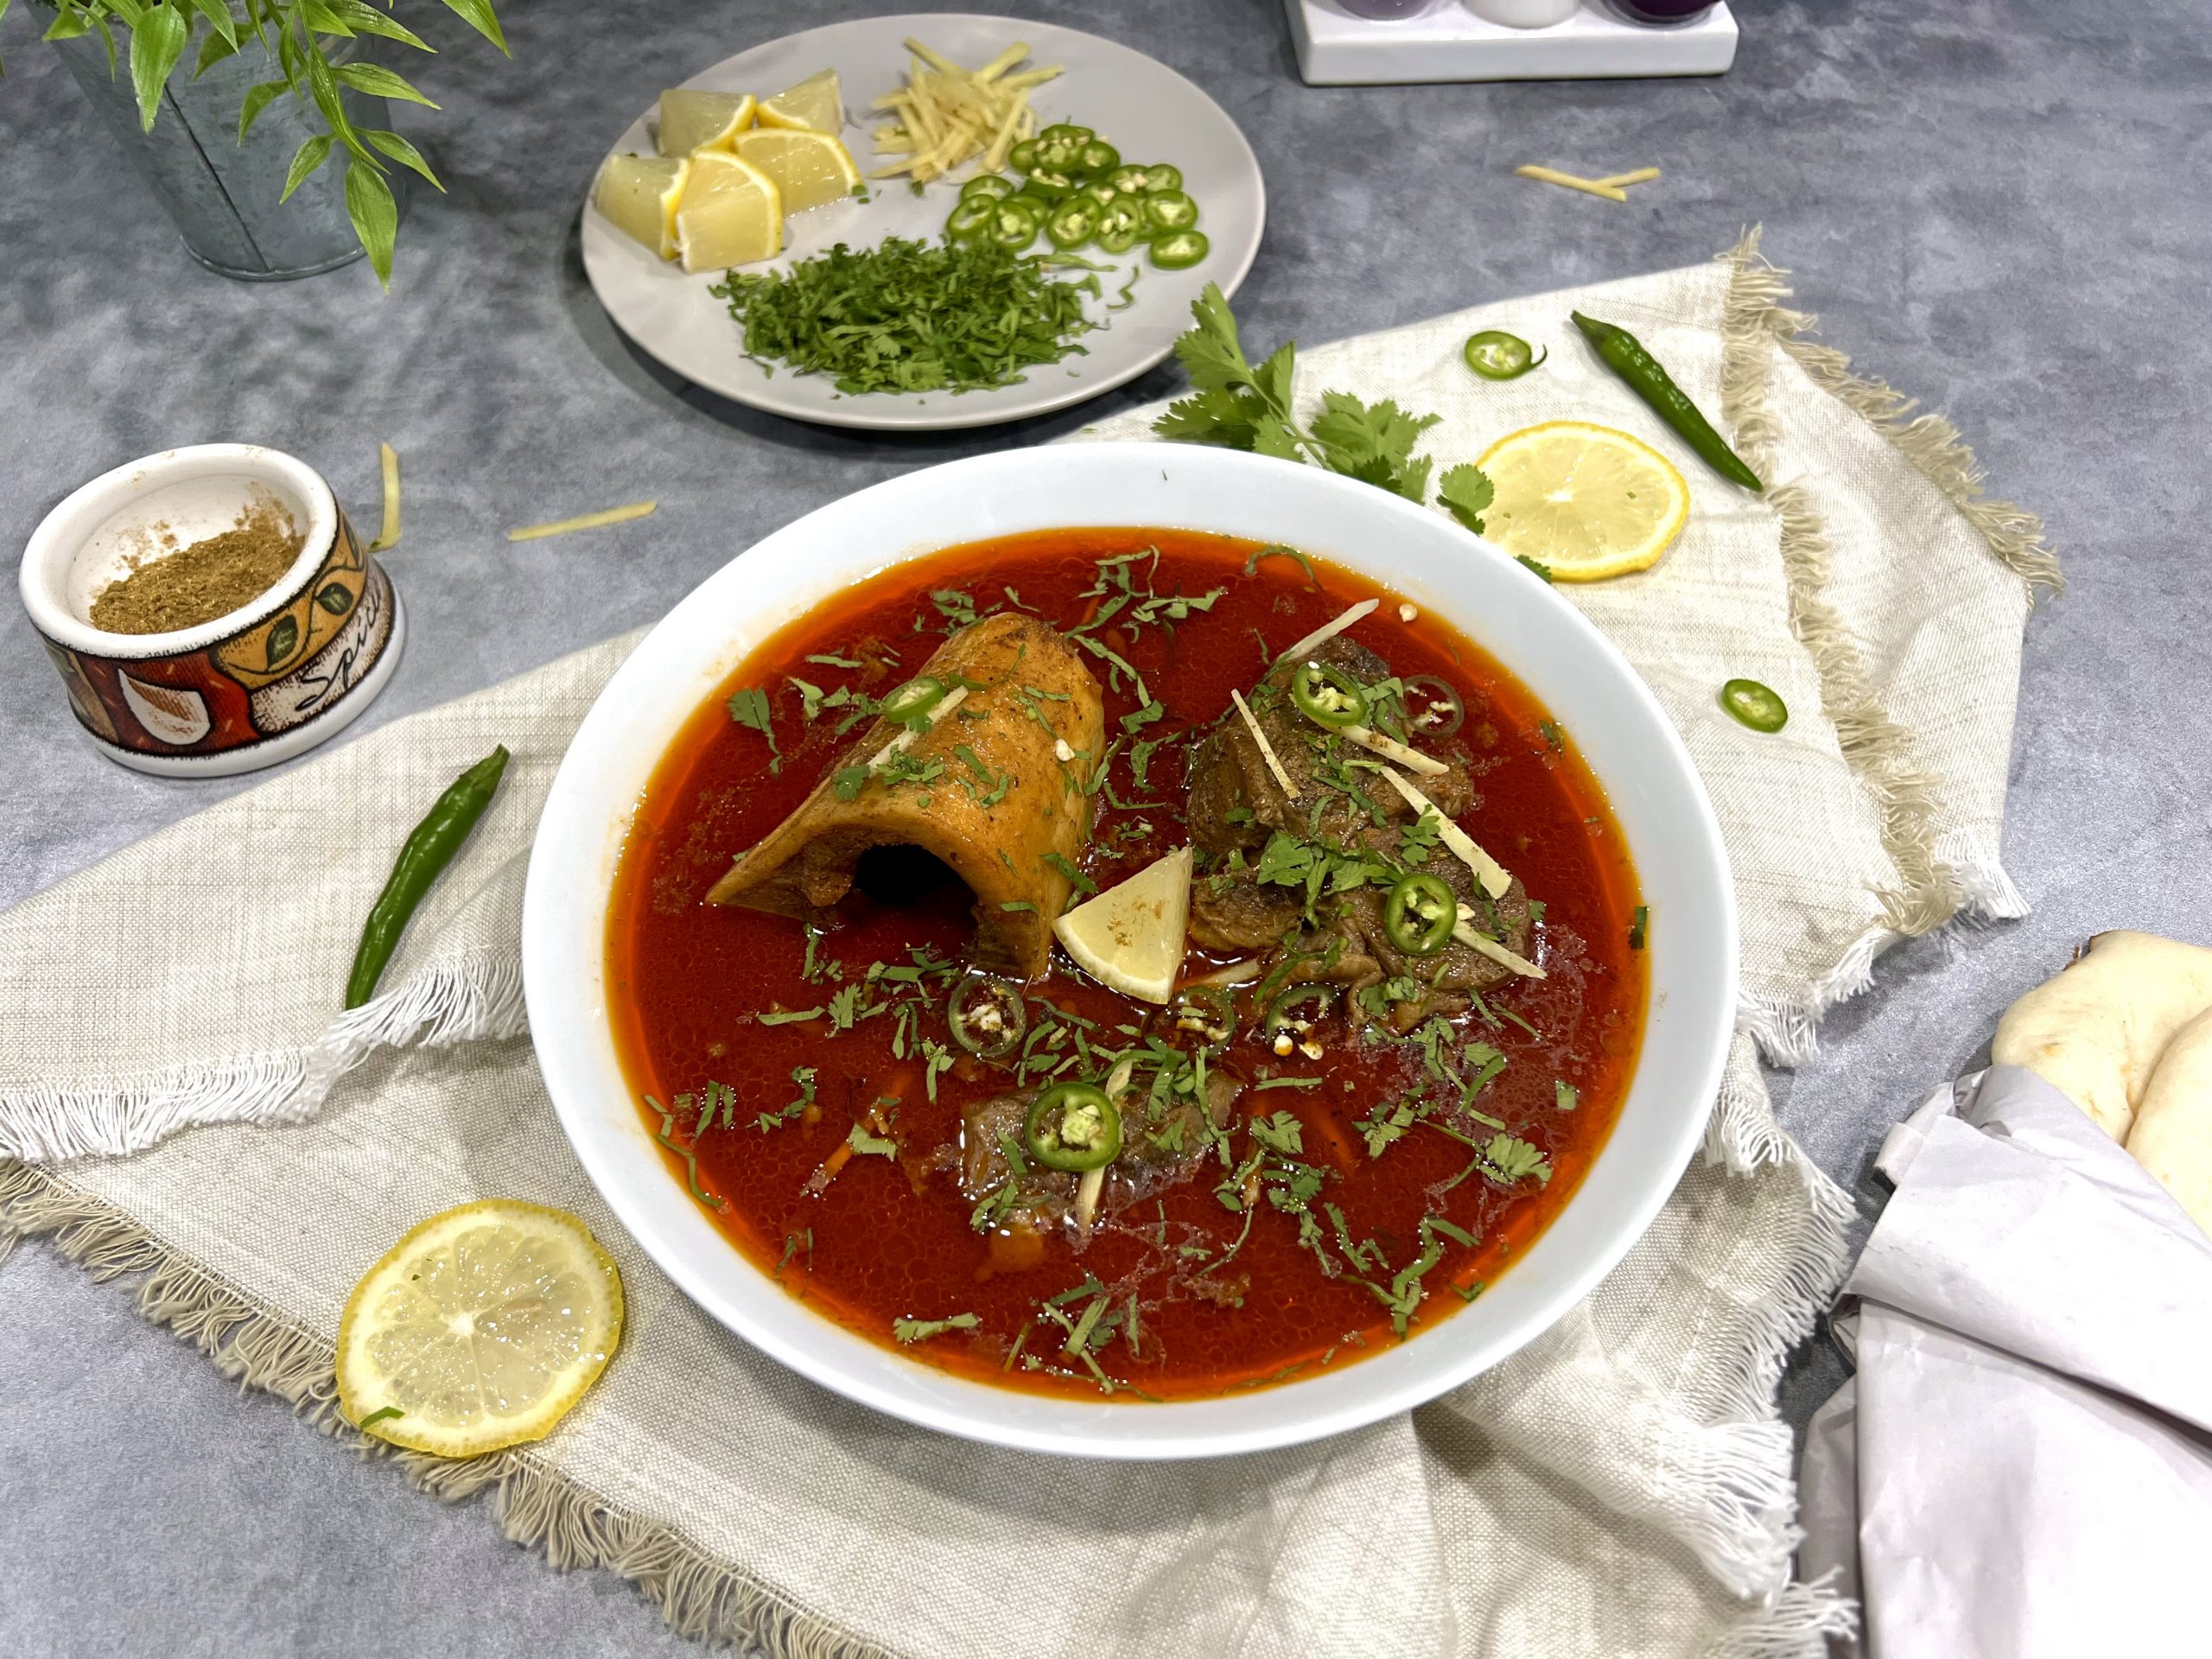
pixel 1551 175
pixel 1617 181
pixel 1329 631
pixel 1267 749
pixel 1391 749
pixel 1488 871
pixel 388 535
pixel 589 521
pixel 1464 932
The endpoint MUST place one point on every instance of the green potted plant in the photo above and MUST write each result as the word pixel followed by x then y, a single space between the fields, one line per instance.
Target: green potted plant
pixel 282 100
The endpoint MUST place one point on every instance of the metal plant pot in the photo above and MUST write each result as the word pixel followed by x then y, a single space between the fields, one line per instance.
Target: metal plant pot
pixel 222 196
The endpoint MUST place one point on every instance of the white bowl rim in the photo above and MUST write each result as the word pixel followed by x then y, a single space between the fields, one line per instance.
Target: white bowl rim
pixel 575 824
pixel 61 533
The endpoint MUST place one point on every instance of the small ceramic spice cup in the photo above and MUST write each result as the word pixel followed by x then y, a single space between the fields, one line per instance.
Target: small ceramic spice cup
pixel 285 669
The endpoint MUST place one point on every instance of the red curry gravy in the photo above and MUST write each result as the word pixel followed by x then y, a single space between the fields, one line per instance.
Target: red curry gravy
pixel 890 1238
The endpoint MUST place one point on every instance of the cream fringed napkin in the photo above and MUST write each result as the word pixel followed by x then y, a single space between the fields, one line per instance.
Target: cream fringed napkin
pixel 1622 1486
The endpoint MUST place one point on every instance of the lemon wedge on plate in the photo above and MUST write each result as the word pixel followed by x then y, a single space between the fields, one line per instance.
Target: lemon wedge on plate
pixel 480 1329
pixel 731 213
pixel 816 102
pixel 691 120
pixel 1585 501
pixel 639 194
pixel 809 167
pixel 1130 938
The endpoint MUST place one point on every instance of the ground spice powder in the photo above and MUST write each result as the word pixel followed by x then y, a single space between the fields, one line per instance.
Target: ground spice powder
pixel 208 579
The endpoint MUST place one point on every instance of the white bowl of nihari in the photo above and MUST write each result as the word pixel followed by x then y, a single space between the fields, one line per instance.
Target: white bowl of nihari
pixel 210 610
pixel 1130 950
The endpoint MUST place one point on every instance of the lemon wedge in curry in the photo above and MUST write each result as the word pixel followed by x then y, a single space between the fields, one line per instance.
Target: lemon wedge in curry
pixel 816 102
pixel 809 167
pixel 480 1329
pixel 1587 502
pixel 693 120
pixel 638 195
pixel 731 213
pixel 1130 938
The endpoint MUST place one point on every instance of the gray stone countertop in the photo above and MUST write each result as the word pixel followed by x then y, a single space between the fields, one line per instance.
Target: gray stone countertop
pixel 2001 208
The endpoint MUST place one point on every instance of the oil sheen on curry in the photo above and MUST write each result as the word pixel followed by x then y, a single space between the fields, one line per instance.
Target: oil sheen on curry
pixel 1341 1047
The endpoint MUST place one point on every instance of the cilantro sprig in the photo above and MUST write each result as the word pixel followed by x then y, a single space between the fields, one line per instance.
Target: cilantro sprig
pixel 1237 405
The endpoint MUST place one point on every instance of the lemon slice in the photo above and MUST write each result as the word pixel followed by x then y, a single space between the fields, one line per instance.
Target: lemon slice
pixel 816 102
pixel 639 194
pixel 480 1329
pixel 691 121
pixel 1130 937
pixel 1585 501
pixel 809 167
pixel 731 214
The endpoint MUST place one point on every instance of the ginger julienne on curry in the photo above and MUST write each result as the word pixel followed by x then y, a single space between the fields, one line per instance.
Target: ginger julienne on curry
pixel 1399 1020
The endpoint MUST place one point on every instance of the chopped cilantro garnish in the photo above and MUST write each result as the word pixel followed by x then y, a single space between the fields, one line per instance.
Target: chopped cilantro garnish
pixel 910 316
pixel 791 1016
pixel 861 1141
pixel 748 706
pixel 923 1330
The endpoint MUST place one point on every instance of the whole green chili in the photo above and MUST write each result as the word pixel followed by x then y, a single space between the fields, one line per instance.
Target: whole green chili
pixel 1624 355
pixel 425 856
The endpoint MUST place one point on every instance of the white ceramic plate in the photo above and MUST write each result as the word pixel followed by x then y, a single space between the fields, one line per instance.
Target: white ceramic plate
pixel 1565 662
pixel 1145 109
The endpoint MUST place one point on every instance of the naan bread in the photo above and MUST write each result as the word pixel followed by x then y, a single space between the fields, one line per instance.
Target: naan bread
pixel 2096 1031
pixel 2172 1134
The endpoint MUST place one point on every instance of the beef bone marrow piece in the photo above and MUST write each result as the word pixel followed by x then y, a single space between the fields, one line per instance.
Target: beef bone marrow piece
pixel 996 786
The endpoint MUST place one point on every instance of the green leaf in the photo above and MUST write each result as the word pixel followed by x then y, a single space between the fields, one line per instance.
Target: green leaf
pixel 478 15
pixel 322 87
pixel 365 19
pixel 1210 354
pixel 335 597
pixel 324 20
pixel 283 639
pixel 1465 492
pixel 67 26
pixel 213 51
pixel 375 216
pixel 1216 417
pixel 219 20
pixel 108 39
pixel 257 100
pixel 312 154
pixel 378 82
pixel 1373 444
pixel 157 43
pixel 401 152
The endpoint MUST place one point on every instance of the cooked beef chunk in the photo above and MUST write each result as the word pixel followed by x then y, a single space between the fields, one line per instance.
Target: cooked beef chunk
pixel 1236 805
pixel 1046 1196
pixel 1240 914
pixel 1163 1144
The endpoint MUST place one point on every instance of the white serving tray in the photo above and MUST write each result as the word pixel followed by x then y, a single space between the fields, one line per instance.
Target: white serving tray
pixel 1449 42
